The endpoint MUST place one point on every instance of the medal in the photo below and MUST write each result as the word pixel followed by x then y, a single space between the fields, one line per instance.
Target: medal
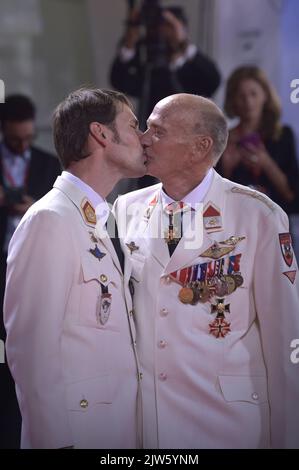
pixel 186 295
pixel 219 328
pixel 132 247
pixel 238 279
pixel 233 241
pixel 103 308
pixel 220 308
pixel 93 237
pixel 230 284
pixel 96 252
pixel 195 295
pixel 220 288
pixel 203 293
pixel 215 251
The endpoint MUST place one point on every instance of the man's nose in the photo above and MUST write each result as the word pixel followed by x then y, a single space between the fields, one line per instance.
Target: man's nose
pixel 145 138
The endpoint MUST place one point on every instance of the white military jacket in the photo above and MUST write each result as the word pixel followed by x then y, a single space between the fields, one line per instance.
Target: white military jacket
pixel 70 335
pixel 216 374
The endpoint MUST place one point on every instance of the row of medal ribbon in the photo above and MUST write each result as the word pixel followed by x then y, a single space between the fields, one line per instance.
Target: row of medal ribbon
pixel 203 281
pixel 197 291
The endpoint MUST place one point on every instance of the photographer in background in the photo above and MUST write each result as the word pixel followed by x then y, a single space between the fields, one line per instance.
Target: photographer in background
pixel 162 61
pixel 26 174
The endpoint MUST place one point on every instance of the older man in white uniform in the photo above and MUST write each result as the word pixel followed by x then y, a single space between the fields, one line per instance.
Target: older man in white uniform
pixel 215 317
pixel 70 334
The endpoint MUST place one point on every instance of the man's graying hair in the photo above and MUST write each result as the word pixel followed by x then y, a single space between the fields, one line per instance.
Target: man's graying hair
pixel 212 122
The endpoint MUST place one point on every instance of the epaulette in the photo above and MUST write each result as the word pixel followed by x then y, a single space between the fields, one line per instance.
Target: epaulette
pixel 257 195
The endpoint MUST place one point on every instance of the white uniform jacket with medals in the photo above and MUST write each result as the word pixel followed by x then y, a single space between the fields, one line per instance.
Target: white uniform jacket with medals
pixel 70 335
pixel 215 322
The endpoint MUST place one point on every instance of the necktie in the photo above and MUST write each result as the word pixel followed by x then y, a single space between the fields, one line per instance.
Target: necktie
pixel 113 234
pixel 175 224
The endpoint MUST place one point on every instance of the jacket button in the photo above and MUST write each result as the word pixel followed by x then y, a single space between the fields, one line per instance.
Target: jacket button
pixel 255 396
pixel 163 376
pixel 103 278
pixel 131 313
pixel 164 312
pixel 162 344
pixel 84 403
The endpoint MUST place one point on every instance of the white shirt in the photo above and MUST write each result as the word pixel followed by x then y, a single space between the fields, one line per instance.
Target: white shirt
pixel 193 199
pixel 197 194
pixel 15 170
pixel 127 54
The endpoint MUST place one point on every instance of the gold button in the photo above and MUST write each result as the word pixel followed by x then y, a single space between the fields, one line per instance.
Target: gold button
pixel 103 278
pixel 84 403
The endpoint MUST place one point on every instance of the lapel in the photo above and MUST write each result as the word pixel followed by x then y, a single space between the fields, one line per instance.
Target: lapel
pixel 153 235
pixel 88 215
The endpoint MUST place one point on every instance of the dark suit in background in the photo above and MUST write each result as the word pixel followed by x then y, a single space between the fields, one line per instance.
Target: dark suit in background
pixel 43 171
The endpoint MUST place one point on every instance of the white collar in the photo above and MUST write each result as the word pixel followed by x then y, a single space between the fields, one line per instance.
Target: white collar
pixel 195 196
pixel 99 204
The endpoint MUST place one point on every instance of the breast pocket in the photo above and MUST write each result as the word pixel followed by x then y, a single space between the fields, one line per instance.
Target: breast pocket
pixel 250 389
pixel 84 395
pixel 101 294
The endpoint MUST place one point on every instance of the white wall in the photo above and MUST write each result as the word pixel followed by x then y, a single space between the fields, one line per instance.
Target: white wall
pixel 248 32
pixel 45 52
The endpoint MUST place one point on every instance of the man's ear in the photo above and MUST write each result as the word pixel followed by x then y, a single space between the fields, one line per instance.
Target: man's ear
pixel 96 131
pixel 204 144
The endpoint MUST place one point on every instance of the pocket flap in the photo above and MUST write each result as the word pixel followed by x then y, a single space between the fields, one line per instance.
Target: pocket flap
pixel 252 389
pixel 86 393
pixel 94 269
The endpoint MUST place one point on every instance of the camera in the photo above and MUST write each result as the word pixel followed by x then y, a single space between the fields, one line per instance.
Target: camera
pixel 13 195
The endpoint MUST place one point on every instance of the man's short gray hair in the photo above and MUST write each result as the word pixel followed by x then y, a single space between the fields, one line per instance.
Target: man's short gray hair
pixel 212 121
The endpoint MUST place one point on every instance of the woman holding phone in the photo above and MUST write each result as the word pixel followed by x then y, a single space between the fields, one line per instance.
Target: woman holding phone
pixel 261 151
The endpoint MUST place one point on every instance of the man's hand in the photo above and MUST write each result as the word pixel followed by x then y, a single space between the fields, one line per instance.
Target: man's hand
pixel 175 33
pixel 179 29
